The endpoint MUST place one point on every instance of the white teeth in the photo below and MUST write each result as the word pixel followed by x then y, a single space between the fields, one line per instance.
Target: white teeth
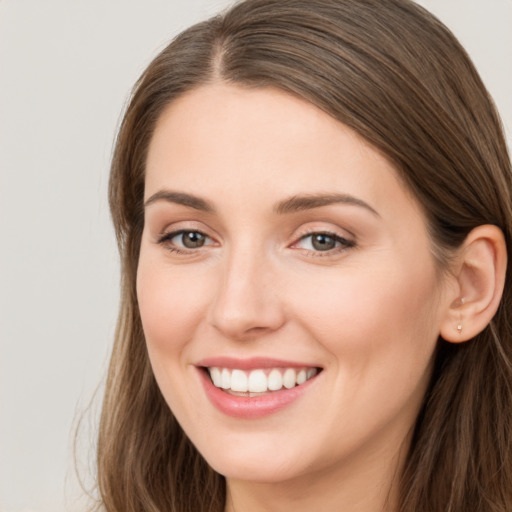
pixel 216 377
pixel 259 381
pixel 239 381
pixel 301 377
pixel 289 378
pixel 225 379
pixel 275 380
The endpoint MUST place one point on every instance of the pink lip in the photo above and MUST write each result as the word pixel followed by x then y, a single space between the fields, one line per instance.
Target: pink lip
pixel 252 363
pixel 244 407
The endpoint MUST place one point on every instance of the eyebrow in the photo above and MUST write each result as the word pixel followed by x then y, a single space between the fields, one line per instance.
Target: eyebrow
pixel 291 205
pixel 180 198
pixel 308 202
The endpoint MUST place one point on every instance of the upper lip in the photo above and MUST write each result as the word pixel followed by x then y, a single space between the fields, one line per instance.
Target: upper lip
pixel 251 363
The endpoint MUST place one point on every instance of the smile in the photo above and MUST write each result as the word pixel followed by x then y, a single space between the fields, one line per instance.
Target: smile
pixel 256 387
pixel 254 382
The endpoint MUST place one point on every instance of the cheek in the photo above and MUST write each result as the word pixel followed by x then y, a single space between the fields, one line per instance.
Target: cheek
pixel 382 323
pixel 380 334
pixel 171 307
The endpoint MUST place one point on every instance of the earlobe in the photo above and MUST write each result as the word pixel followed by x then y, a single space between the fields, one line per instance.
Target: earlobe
pixel 480 275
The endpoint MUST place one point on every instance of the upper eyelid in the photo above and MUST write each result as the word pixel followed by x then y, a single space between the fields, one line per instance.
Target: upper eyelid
pixel 343 234
pixel 328 232
pixel 174 232
pixel 181 226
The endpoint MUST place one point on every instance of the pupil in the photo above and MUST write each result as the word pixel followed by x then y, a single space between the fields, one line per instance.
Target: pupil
pixel 192 240
pixel 323 242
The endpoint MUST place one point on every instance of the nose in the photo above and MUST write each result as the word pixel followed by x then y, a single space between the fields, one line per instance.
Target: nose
pixel 247 302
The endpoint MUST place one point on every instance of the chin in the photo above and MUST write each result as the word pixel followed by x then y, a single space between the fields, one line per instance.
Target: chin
pixel 256 472
pixel 260 466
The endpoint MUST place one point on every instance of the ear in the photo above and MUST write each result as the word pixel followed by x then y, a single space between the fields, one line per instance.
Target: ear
pixel 480 275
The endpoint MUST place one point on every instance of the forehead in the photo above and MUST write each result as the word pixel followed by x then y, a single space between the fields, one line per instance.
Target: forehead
pixel 261 144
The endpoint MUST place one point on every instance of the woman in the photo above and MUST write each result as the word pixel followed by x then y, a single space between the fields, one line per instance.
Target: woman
pixel 312 204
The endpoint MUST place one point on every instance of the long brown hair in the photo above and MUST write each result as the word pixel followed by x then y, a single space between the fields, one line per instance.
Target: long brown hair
pixel 394 74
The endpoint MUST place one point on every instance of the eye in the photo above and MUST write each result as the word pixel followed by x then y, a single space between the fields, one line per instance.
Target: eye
pixel 185 239
pixel 323 242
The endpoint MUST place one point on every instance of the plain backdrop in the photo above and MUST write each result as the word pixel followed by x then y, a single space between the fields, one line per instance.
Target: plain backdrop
pixel 66 69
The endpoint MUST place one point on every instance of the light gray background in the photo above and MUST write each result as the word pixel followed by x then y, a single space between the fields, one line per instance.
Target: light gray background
pixel 66 68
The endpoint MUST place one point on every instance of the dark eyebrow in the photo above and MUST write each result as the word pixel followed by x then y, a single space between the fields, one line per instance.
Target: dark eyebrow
pixel 180 198
pixel 290 205
pixel 308 202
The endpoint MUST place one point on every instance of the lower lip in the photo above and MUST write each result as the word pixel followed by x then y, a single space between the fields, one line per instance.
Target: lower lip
pixel 252 407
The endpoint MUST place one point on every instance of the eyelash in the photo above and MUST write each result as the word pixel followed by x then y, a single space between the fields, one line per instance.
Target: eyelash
pixel 343 243
pixel 166 238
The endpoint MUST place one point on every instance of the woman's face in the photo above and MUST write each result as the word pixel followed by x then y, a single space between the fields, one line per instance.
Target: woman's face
pixel 282 256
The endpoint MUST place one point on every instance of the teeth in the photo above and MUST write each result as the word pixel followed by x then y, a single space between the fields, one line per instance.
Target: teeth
pixel 275 380
pixel 239 381
pixel 216 376
pixel 257 381
pixel 225 382
pixel 289 378
pixel 260 381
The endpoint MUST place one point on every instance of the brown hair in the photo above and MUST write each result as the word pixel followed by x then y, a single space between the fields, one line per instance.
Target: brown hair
pixel 394 74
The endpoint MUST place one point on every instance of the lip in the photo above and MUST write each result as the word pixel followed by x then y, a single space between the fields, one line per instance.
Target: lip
pixel 252 363
pixel 244 407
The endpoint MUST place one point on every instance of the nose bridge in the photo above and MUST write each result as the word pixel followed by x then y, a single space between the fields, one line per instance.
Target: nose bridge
pixel 246 300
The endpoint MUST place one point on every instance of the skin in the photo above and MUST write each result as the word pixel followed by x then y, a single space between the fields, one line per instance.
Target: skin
pixel 368 312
